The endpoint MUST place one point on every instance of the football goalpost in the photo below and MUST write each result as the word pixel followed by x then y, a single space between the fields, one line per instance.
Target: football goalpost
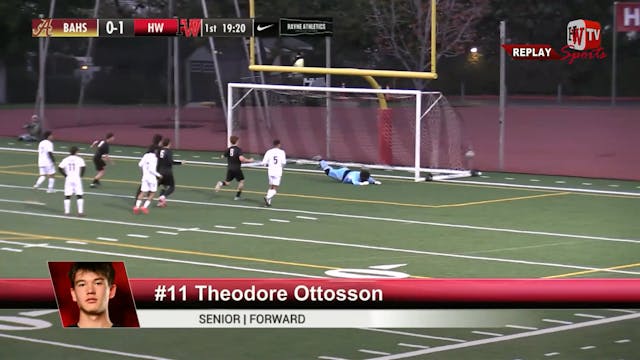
pixel 419 136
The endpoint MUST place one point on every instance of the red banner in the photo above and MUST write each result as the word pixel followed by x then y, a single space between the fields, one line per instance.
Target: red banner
pixel 627 16
pixel 331 293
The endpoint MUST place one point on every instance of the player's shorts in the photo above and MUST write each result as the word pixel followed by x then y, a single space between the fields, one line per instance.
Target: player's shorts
pixel 47 170
pixel 274 180
pixel 167 179
pixel 99 163
pixel 73 187
pixel 234 174
pixel 150 184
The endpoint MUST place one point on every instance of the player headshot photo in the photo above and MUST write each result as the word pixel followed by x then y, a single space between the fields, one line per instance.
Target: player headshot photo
pixel 93 294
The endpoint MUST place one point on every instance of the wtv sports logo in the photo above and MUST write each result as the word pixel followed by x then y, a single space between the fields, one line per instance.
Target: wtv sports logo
pixel 583 35
pixel 584 38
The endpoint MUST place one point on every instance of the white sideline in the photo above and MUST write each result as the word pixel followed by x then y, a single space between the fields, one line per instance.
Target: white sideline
pixel 508 337
pixel 448 180
pixel 323 242
pixel 82 347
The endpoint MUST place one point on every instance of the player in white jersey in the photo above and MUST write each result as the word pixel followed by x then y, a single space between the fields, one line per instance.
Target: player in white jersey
pixel 275 158
pixel 149 185
pixel 72 168
pixel 46 162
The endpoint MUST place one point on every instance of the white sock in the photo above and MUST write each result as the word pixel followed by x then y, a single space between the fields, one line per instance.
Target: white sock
pixel 40 180
pixel 51 182
pixel 67 206
pixel 80 205
pixel 147 203
pixel 138 203
pixel 271 193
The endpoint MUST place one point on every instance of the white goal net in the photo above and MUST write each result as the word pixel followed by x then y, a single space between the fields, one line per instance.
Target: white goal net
pixel 419 134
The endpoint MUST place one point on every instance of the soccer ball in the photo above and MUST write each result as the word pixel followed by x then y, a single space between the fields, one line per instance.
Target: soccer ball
pixel 470 154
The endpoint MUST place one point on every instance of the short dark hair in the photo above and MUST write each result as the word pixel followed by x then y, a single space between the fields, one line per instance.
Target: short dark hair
pixel 364 175
pixel 109 135
pixel 233 139
pixel 156 139
pixel 46 134
pixel 276 142
pixel 73 150
pixel 166 141
pixel 103 268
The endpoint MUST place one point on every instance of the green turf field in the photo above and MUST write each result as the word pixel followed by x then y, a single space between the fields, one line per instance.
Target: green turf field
pixel 496 225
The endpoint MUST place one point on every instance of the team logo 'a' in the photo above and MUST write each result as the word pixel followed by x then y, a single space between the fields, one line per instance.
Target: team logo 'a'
pixel 43 29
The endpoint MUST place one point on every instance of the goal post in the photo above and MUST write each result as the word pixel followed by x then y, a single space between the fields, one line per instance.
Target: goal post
pixel 419 136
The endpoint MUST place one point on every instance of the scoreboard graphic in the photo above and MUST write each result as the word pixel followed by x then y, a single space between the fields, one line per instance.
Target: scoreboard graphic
pixel 319 26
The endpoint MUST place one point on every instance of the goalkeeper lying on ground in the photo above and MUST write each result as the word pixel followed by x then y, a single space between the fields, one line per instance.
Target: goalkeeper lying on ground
pixel 348 176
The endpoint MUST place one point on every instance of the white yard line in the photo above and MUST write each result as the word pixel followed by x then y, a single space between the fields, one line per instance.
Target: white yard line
pixel 167 232
pixel 252 223
pixel 37 313
pixel 279 220
pixel 486 333
pixel 373 352
pixel 106 238
pixel 307 217
pixel 557 321
pixel 331 243
pixel 508 337
pixel 363 217
pixel 82 347
pixel 522 327
pixel 138 236
pixel 590 316
pixel 405 333
pixel 23 202
pixel 413 346
pixel 10 249
pixel 224 227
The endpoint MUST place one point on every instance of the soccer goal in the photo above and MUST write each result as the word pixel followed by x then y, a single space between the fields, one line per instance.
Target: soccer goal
pixel 401 133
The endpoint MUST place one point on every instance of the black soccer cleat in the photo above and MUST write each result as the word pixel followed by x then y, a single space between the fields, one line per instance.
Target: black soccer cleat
pixel 267 202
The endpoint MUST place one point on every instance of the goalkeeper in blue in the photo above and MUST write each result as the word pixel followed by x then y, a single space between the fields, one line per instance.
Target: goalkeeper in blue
pixel 348 176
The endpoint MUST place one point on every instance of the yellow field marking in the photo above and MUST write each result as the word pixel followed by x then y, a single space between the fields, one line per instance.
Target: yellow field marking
pixel 175 251
pixel 316 197
pixel 592 271
pixel 503 200
pixel 28 236
pixel 21 238
pixel 16 166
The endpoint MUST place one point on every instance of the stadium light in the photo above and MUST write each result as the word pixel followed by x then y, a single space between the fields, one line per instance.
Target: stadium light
pixel 474 50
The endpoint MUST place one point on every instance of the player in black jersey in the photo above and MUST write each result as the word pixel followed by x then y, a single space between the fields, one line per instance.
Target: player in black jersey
pixel 101 157
pixel 165 168
pixel 234 162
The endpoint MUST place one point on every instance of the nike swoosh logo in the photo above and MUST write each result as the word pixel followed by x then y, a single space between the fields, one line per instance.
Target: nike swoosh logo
pixel 263 27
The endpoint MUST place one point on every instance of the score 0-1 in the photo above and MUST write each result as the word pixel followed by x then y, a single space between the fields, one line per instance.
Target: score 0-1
pixel 115 27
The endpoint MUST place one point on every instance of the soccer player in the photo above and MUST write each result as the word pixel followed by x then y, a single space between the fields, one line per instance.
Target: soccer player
pixel 155 147
pixel 92 286
pixel 101 156
pixel 46 161
pixel 234 166
pixel 348 176
pixel 149 183
pixel 165 168
pixel 275 158
pixel 72 168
